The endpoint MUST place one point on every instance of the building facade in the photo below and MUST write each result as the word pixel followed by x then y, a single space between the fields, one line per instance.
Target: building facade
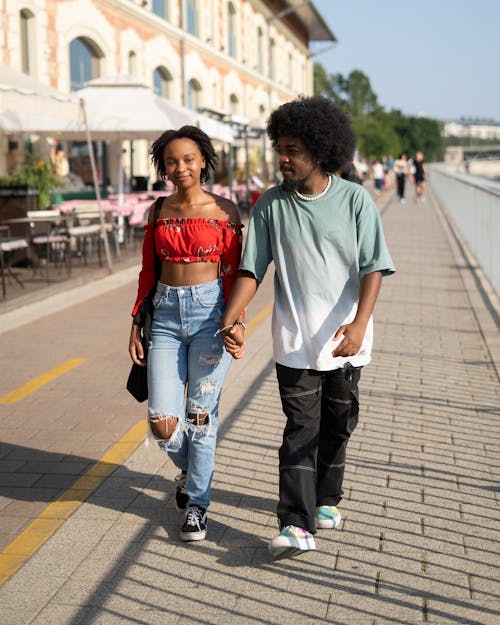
pixel 472 129
pixel 239 58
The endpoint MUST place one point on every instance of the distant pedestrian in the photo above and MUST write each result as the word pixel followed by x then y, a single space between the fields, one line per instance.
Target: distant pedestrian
pixel 196 239
pixel 420 175
pixel 325 238
pixel 401 171
pixel 362 166
pixel 378 175
pixel 388 173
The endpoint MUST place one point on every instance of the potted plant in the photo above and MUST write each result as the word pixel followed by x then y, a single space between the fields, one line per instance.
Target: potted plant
pixel 35 174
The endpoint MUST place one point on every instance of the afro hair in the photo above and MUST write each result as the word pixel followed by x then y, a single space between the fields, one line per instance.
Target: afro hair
pixel 321 125
pixel 186 132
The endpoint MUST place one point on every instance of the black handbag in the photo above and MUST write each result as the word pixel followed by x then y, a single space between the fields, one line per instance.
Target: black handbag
pixel 137 382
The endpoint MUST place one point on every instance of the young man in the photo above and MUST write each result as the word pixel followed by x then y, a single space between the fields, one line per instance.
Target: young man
pixel 325 237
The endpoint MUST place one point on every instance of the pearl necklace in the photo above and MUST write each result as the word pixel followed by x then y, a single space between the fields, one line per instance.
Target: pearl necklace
pixel 314 196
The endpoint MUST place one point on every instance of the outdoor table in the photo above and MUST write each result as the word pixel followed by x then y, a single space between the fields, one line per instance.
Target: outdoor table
pixel 8 246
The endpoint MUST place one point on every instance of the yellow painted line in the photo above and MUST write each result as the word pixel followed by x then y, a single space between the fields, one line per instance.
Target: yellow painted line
pixel 259 317
pixel 33 385
pixel 55 514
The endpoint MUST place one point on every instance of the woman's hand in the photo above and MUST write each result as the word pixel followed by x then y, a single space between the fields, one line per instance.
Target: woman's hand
pixel 135 348
pixel 234 340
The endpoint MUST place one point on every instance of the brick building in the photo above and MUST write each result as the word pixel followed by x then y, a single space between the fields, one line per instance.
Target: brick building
pixel 234 59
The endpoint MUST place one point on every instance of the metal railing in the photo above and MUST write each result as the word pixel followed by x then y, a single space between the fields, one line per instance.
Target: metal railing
pixel 473 204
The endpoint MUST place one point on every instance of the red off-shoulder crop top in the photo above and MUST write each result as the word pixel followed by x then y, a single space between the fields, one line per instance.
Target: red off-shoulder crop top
pixel 190 240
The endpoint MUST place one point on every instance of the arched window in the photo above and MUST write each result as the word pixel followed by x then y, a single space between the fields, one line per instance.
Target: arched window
pixel 132 63
pixel 193 94
pixel 231 30
pixel 84 59
pixel 272 46
pixel 260 50
pixel 234 104
pixel 162 79
pixel 27 33
pixel 160 8
pixel 191 17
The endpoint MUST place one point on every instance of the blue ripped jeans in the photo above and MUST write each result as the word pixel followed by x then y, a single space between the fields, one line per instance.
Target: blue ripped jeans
pixel 187 365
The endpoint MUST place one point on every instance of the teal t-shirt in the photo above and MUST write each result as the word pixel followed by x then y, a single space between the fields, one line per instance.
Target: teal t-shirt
pixel 320 250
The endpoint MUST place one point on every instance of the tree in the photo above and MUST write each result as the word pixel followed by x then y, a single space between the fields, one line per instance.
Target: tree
pixel 378 132
pixel 324 84
pixel 354 92
pixel 361 100
pixel 417 133
pixel 375 137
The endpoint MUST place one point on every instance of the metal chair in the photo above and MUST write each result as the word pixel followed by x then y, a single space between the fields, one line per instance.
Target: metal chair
pixel 8 248
pixel 86 231
pixel 49 239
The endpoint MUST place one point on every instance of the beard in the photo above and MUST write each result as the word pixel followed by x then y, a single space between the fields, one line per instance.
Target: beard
pixel 289 184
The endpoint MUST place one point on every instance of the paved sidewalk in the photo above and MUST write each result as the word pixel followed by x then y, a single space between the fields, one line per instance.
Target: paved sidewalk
pixel 419 538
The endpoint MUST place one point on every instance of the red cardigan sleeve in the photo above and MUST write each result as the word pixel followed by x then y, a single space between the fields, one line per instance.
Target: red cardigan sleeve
pixel 147 275
pixel 231 256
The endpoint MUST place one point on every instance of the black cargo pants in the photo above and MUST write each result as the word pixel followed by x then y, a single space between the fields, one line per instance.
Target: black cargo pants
pixel 322 409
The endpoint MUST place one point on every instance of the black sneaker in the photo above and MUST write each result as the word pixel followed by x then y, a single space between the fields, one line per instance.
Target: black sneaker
pixel 195 524
pixel 181 497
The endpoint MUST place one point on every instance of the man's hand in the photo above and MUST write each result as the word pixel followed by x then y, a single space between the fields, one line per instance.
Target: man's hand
pixel 354 332
pixel 353 338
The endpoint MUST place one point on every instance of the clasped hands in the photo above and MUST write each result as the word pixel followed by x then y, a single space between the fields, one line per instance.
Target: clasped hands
pixel 234 340
pixel 352 335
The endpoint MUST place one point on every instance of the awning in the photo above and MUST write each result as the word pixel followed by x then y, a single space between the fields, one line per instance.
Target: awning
pixel 30 107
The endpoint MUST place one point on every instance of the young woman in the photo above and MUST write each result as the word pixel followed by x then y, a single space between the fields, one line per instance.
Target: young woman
pixel 197 238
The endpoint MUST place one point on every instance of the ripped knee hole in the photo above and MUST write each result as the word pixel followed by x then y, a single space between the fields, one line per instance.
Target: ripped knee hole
pixel 162 426
pixel 197 418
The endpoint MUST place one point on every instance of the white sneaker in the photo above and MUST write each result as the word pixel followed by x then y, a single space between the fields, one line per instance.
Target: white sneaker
pixel 327 517
pixel 291 541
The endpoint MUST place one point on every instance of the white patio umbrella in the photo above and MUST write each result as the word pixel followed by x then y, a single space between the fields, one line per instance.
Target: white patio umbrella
pixel 121 107
pixel 30 107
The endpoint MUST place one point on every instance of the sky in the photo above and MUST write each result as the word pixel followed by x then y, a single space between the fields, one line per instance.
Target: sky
pixel 436 57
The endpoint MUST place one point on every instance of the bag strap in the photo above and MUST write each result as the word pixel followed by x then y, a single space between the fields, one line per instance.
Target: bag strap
pixel 156 214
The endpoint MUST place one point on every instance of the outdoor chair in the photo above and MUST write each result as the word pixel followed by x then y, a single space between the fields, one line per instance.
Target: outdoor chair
pixel 86 233
pixel 49 240
pixel 9 246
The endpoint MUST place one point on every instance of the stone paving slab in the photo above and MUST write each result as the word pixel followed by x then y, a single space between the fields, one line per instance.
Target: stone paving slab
pixel 419 537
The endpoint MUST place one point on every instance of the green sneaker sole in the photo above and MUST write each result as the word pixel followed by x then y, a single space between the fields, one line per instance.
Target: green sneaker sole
pixel 286 552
